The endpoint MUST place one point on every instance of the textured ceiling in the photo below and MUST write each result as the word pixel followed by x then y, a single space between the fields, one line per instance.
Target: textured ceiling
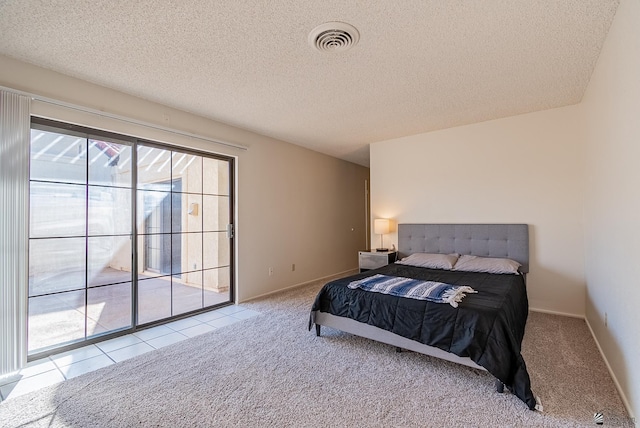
pixel 420 65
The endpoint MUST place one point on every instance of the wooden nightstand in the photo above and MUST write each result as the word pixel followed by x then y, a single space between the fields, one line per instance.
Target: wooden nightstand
pixel 373 259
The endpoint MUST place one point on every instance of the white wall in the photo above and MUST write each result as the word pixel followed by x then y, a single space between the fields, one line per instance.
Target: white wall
pixel 612 122
pixel 522 169
pixel 295 205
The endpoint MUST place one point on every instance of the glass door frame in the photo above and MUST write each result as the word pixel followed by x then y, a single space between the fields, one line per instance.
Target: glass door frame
pixel 230 232
pixel 135 143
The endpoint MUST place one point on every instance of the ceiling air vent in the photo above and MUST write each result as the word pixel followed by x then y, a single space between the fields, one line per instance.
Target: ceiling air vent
pixel 333 37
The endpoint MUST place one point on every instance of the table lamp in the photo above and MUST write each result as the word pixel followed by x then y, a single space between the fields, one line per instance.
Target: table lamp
pixel 381 226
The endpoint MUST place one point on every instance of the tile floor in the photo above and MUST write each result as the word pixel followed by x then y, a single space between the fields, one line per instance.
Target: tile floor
pixel 59 367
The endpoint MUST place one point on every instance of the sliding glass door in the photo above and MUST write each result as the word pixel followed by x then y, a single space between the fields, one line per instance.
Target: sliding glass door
pixel 183 247
pixel 92 197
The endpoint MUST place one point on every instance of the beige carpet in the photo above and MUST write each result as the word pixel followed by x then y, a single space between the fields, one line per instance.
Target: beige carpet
pixel 269 371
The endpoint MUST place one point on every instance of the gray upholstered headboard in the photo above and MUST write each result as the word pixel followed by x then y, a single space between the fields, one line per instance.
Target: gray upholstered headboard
pixel 488 240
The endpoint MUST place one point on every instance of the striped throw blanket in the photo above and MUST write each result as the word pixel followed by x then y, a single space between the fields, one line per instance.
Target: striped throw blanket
pixel 432 291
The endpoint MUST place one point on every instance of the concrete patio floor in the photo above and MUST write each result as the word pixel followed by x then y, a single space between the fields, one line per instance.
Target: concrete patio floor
pixel 58 319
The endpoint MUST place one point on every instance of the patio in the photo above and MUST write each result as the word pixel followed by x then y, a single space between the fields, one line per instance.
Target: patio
pixel 58 319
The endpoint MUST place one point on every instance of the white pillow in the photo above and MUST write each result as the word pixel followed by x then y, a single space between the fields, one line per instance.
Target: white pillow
pixel 430 260
pixel 486 264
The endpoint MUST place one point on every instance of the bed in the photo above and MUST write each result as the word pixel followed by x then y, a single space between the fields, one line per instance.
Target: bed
pixel 485 331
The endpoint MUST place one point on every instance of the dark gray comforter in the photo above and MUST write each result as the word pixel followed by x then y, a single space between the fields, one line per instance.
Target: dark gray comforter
pixel 487 327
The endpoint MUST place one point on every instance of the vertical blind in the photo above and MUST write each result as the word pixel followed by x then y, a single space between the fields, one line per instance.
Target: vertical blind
pixel 14 218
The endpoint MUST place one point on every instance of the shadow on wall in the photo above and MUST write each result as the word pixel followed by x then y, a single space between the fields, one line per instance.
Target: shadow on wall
pixel 552 290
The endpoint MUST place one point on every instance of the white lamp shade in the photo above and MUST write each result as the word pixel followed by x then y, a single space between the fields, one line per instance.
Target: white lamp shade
pixel 381 226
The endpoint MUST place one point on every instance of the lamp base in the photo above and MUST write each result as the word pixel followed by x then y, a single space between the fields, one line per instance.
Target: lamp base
pixel 382 250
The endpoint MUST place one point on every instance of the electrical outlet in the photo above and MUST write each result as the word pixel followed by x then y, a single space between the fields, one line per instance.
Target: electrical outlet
pixel 606 324
pixel 293 267
pixel 270 271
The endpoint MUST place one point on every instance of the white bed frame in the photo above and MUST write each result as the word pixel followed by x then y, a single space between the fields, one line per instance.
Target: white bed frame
pixel 489 240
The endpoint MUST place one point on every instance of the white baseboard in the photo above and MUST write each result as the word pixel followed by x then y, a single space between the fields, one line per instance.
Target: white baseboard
pixel 564 314
pixel 302 284
pixel 626 403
